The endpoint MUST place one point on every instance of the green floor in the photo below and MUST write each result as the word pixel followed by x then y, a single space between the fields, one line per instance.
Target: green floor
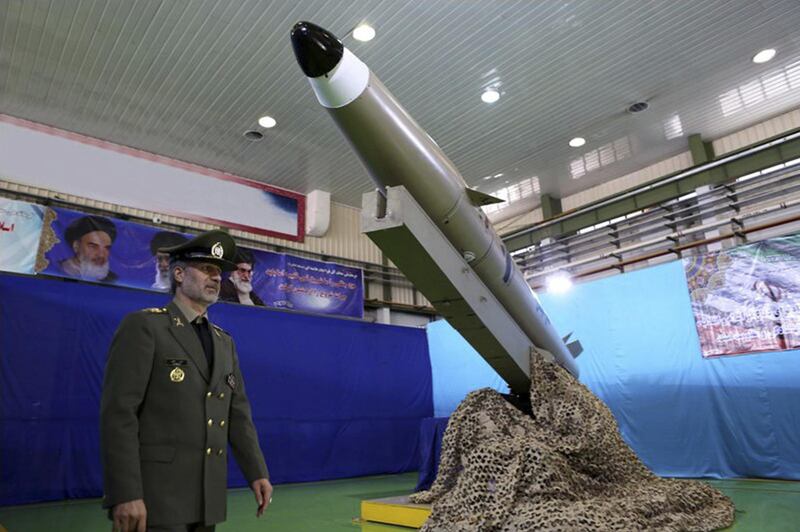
pixel 763 506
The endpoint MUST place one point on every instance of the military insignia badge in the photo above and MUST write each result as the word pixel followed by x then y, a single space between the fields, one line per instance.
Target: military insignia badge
pixel 177 375
pixel 217 250
pixel 178 322
pixel 231 380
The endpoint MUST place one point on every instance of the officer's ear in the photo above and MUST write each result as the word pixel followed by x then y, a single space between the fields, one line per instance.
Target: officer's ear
pixel 178 273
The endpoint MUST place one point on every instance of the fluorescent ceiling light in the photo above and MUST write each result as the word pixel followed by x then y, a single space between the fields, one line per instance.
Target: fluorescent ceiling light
pixel 577 142
pixel 364 33
pixel 764 55
pixel 267 122
pixel 490 96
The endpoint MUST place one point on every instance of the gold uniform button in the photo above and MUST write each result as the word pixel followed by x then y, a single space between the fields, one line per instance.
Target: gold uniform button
pixel 208 394
pixel 210 422
pixel 222 396
pixel 219 452
pixel 208 451
pixel 222 423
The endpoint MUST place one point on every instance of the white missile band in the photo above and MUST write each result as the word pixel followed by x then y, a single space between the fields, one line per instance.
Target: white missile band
pixel 343 84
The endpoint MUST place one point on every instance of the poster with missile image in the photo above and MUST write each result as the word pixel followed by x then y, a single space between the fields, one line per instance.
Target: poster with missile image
pixel 747 299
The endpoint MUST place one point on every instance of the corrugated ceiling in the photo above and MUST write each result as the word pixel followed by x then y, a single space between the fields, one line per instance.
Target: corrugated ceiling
pixel 185 79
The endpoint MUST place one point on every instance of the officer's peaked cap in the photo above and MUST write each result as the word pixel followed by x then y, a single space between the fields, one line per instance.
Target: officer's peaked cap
pixel 216 247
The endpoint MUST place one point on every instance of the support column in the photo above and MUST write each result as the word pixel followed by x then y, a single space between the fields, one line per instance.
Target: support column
pixel 702 151
pixel 383 315
pixel 550 206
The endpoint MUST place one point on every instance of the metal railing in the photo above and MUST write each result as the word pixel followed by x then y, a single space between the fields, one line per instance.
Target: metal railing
pixel 691 222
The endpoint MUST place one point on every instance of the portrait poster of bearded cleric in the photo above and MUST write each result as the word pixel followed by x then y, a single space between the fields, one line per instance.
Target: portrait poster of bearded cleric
pixel 101 249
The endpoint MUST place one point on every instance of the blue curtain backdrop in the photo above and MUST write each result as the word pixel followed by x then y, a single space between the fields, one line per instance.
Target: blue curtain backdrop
pixel 457 369
pixel 683 415
pixel 331 398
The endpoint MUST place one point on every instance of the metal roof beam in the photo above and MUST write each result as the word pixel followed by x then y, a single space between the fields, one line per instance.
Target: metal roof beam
pixel 785 147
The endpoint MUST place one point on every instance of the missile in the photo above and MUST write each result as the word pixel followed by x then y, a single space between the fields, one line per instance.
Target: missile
pixel 396 151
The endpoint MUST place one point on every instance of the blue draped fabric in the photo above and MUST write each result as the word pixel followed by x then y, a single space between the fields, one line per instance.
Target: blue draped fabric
pixel 431 432
pixel 457 369
pixel 331 398
pixel 685 416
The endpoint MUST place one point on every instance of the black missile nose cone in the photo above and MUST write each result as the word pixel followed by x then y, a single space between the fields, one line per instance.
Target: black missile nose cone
pixel 317 50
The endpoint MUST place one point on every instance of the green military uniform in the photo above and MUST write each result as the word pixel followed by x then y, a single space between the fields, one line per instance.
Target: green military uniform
pixel 166 419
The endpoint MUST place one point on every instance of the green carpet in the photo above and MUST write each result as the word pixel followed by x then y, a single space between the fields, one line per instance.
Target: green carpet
pixel 763 506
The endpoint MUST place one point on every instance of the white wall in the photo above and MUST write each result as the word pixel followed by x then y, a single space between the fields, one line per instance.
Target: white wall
pixel 344 239
pixel 44 157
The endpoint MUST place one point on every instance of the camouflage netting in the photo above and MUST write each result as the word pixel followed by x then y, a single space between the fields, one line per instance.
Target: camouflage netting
pixel 567 468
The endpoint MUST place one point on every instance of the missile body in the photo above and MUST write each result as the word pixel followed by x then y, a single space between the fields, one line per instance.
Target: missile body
pixel 398 152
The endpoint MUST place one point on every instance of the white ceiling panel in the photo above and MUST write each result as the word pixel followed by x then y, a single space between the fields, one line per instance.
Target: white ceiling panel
pixel 186 79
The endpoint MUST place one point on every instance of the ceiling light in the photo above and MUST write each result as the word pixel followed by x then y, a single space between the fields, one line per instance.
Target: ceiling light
pixel 364 33
pixel 267 122
pixel 558 283
pixel 764 55
pixel 490 96
pixel 499 175
pixel 488 177
pixel 253 135
pixel 577 142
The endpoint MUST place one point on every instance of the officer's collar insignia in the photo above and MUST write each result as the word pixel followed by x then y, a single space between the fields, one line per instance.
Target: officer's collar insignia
pixel 217 250
pixel 178 322
pixel 231 380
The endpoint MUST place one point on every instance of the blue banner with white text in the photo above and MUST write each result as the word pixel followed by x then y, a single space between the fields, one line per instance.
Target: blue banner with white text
pixel 286 281
pixel 112 251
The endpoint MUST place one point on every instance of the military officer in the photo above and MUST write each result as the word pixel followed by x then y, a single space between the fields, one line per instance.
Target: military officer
pixel 173 398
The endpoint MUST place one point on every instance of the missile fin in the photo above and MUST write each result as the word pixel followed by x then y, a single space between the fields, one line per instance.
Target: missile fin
pixel 479 199
pixel 575 348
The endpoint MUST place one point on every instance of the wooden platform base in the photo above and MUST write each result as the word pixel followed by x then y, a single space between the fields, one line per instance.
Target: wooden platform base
pixel 395 511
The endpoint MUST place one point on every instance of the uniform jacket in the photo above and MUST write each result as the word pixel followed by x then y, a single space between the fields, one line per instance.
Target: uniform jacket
pixel 165 422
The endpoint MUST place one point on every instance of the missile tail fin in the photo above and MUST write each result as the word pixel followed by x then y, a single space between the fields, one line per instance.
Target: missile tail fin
pixel 575 348
pixel 479 199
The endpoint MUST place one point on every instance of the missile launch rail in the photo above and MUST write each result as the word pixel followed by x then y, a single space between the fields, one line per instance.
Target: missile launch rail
pixel 407 236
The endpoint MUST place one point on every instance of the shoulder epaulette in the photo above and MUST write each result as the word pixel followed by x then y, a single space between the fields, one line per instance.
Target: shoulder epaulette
pixel 155 310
